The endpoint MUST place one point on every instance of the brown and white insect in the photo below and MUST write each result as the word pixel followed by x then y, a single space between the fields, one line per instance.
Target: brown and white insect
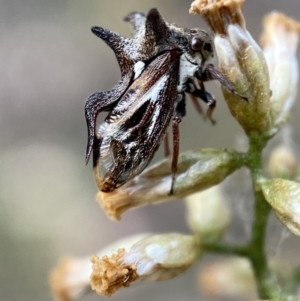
pixel 159 65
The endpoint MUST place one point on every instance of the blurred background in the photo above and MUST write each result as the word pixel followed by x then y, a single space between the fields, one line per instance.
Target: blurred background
pixel 50 63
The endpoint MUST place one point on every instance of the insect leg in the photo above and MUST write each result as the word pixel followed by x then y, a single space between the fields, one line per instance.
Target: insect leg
pixel 204 95
pixel 175 129
pixel 180 107
pixel 180 112
pixel 212 73
pixel 196 104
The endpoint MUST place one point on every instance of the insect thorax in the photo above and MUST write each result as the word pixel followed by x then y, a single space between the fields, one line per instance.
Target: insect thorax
pixel 187 70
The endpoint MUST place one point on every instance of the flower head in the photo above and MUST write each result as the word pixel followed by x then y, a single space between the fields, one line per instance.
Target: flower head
pixel 241 60
pixel 280 39
pixel 70 279
pixel 284 197
pixel 197 170
pixel 154 258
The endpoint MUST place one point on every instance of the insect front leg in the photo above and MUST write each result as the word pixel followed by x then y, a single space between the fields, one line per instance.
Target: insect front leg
pixel 203 95
pixel 197 105
pixel 212 73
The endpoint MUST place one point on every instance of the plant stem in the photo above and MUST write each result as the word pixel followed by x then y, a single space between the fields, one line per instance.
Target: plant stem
pixel 218 246
pixel 267 285
pixel 266 281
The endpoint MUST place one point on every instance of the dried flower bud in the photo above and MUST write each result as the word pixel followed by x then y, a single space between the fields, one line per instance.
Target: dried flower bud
pixel 207 213
pixel 282 163
pixel 70 279
pixel 196 171
pixel 241 60
pixel 154 258
pixel 230 279
pixel 280 40
pixel 284 197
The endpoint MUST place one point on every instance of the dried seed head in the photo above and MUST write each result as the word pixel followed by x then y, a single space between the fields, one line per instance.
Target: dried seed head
pixel 280 41
pixel 110 274
pixel 284 197
pixel 282 163
pixel 196 171
pixel 154 258
pixel 207 213
pixel 70 279
pixel 230 279
pixel 220 8
pixel 241 60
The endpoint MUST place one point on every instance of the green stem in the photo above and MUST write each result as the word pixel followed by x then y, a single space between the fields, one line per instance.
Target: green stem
pixel 267 285
pixel 218 246
pixel 266 281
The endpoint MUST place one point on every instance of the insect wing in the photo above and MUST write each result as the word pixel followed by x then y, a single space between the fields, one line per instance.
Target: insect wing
pixel 133 130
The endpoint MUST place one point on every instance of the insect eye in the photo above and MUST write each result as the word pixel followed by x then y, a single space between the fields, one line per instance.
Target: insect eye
pixel 196 44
